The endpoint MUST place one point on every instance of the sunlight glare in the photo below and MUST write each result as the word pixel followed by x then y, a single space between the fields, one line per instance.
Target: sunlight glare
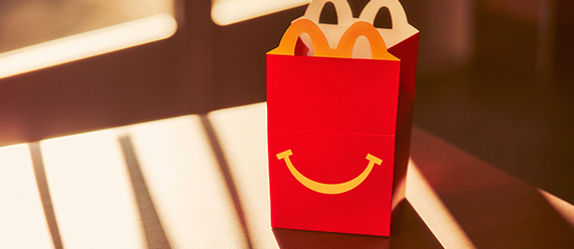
pixel 21 216
pixel 565 209
pixel 225 12
pixel 243 137
pixel 433 212
pixel 184 181
pixel 91 193
pixel 87 44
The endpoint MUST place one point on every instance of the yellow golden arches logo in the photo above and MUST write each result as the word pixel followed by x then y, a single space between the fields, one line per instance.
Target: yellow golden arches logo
pixel 325 188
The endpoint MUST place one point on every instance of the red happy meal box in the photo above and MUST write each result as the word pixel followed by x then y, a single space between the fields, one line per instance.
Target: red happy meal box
pixel 339 122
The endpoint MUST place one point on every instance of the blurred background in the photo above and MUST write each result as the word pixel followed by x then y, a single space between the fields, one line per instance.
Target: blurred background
pixel 495 77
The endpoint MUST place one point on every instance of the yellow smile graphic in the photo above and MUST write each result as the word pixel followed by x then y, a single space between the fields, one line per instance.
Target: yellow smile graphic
pixel 325 188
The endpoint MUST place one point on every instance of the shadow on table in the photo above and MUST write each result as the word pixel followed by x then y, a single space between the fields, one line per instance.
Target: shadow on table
pixel 154 232
pixel 493 208
pixel 408 231
pixel 223 164
pixel 44 191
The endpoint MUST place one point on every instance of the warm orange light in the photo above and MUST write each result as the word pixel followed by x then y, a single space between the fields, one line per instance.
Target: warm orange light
pixel 22 220
pixel 225 12
pixel 241 133
pixel 565 209
pixel 433 212
pixel 87 44
pixel 92 198
pixel 184 180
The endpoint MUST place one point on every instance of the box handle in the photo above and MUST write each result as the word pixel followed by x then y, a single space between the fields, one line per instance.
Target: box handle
pixel 344 13
pixel 398 15
pixel 346 43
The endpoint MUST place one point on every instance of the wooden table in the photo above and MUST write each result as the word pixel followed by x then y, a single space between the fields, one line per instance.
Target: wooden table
pixel 200 181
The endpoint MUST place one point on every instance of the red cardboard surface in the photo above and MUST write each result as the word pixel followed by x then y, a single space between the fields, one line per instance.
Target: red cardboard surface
pixel 331 113
pixel 339 127
pixel 331 157
pixel 407 52
pixel 332 94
